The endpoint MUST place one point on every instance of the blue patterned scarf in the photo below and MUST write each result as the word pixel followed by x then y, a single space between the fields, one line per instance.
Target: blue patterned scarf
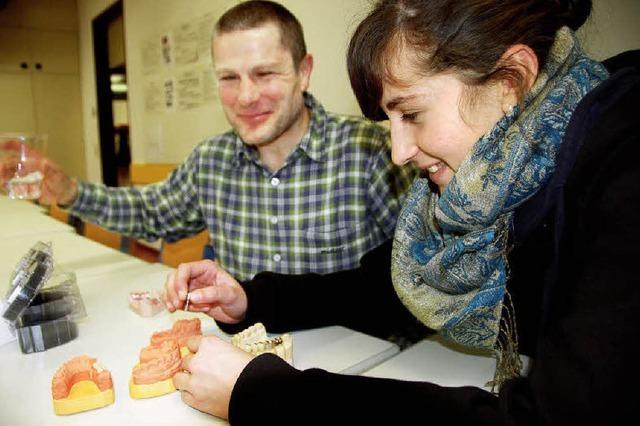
pixel 449 264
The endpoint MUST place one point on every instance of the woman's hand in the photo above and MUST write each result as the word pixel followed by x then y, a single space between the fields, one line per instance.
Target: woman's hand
pixel 210 374
pixel 212 291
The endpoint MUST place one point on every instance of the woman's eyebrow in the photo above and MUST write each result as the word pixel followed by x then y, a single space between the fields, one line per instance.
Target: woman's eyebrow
pixel 393 103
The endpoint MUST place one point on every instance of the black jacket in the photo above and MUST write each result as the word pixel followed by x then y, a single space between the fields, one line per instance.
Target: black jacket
pixel 573 282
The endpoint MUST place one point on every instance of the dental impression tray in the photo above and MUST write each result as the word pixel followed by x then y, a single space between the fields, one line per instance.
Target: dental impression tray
pixel 255 341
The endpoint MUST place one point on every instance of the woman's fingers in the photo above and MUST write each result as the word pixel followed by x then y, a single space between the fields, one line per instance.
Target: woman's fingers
pixel 193 343
pixel 181 381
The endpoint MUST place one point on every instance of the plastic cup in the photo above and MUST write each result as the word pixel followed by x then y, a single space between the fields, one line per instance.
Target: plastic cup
pixel 21 165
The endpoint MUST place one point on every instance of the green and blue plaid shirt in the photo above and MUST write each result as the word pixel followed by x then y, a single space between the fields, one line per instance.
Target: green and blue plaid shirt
pixel 336 197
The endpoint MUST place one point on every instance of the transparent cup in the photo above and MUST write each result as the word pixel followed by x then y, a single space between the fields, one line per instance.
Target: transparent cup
pixel 21 162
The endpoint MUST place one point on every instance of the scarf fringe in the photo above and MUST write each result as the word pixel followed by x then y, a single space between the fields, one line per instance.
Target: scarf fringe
pixel 508 362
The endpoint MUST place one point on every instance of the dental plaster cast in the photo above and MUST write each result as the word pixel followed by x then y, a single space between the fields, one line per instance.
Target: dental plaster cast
pixel 181 331
pixel 81 384
pixel 158 362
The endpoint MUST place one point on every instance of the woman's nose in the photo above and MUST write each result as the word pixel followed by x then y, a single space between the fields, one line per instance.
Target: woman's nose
pixel 403 147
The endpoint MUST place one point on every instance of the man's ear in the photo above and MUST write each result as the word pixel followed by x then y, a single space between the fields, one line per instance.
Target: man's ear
pixel 304 70
pixel 522 59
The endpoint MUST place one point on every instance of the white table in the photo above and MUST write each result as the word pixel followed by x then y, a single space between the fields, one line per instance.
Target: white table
pixel 71 252
pixel 339 350
pixel 438 361
pixel 114 335
pixel 18 218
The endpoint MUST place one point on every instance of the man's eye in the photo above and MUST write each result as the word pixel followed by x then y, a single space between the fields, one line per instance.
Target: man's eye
pixel 409 116
pixel 227 78
pixel 265 73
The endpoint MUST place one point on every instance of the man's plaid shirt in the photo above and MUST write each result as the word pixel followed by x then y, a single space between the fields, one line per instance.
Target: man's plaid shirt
pixel 337 196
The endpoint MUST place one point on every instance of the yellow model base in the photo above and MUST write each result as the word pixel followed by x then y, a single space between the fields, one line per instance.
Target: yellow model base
pixel 151 390
pixel 84 395
pixel 184 351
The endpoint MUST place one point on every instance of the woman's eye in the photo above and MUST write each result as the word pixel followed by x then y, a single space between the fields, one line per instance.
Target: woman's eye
pixel 409 116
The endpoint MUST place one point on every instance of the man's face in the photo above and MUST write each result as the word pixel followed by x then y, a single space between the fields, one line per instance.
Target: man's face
pixel 259 86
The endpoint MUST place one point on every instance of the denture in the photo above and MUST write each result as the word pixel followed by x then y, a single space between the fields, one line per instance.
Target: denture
pixel 254 340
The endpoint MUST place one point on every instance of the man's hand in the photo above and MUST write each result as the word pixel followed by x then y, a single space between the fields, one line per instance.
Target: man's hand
pixel 212 291
pixel 210 375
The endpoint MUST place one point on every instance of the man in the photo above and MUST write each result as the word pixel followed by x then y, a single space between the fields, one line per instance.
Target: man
pixel 292 188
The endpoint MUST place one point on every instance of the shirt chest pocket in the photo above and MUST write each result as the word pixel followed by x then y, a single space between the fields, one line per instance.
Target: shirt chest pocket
pixel 331 241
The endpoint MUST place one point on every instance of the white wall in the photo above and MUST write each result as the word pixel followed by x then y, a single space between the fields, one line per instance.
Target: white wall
pixel 328 25
pixel 613 27
pixel 168 137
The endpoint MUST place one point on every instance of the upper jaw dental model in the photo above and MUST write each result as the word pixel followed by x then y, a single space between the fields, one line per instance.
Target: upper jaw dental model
pixel 255 341
pixel 81 384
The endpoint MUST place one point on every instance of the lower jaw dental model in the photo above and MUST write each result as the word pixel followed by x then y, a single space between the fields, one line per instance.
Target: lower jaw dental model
pixel 153 375
pixel 255 341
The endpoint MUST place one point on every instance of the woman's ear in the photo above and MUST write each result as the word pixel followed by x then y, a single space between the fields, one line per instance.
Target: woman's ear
pixel 522 59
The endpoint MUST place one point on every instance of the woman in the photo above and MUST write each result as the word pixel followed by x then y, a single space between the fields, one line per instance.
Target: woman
pixel 520 236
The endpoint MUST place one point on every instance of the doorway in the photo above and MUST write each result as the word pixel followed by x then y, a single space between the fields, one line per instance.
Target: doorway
pixel 112 105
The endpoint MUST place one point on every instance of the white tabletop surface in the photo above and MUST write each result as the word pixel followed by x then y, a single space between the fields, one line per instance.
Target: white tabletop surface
pixel 114 335
pixel 71 252
pixel 438 361
pixel 19 218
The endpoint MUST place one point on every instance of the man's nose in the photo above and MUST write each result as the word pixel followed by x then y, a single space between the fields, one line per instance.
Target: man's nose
pixel 249 92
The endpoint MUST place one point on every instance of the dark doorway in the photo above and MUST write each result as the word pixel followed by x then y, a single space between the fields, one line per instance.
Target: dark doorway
pixel 111 85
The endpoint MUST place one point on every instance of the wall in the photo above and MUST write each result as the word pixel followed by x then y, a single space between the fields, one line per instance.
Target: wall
pixel 158 134
pixel 613 27
pixel 169 137
pixel 39 76
pixel 328 26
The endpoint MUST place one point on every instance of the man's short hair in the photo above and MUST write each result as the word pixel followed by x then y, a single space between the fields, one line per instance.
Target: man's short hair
pixel 256 13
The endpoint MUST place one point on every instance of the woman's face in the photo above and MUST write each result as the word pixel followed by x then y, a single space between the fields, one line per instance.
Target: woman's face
pixel 430 124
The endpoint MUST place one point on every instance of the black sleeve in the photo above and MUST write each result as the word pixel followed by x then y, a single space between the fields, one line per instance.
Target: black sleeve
pixel 270 389
pixel 362 299
pixel 588 347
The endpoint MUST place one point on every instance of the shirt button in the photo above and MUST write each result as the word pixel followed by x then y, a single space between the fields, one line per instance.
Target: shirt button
pixel 277 257
pixel 273 219
pixel 275 181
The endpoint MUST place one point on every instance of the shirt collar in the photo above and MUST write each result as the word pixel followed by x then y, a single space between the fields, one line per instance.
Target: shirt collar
pixel 312 143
